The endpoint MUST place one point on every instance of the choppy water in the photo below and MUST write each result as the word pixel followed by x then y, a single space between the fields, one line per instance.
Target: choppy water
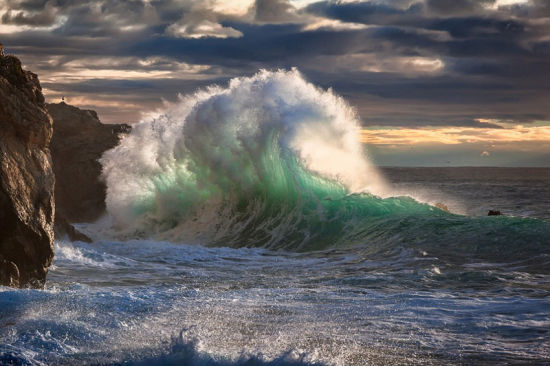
pixel 144 301
pixel 293 262
pixel 474 191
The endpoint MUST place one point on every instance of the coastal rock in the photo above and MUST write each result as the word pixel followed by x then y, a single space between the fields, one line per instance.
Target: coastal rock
pixel 494 213
pixel 79 139
pixel 442 206
pixel 26 178
pixel 63 228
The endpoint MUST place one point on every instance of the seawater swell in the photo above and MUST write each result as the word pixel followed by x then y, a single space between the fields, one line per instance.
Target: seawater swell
pixel 276 162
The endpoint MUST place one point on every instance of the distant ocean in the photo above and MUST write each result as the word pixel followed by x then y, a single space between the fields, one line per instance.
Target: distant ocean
pixel 473 191
pixel 245 227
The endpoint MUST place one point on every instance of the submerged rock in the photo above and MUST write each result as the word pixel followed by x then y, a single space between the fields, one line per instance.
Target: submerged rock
pixel 442 206
pixel 26 178
pixel 79 140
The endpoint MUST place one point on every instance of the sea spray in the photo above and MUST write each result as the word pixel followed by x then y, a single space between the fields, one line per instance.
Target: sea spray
pixel 273 161
pixel 224 158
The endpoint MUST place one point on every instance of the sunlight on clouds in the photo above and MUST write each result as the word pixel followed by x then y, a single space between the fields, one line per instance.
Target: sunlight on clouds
pixel 202 29
pixel 405 65
pixel 302 3
pixel 511 2
pixel 127 68
pixel 323 23
pixel 109 74
pixel 15 28
pixel 454 135
pixel 368 62
pixel 232 7
pixel 498 3
pixel 133 28
pixel 425 64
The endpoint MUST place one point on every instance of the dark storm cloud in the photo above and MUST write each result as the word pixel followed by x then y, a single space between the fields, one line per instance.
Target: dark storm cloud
pixel 45 17
pixel 423 101
pixel 369 12
pixel 534 9
pixel 274 11
pixel 28 5
pixel 490 43
pixel 400 62
pixel 479 27
pixel 272 45
pixel 540 8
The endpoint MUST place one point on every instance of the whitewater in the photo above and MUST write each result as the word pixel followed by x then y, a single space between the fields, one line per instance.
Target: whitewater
pixel 246 225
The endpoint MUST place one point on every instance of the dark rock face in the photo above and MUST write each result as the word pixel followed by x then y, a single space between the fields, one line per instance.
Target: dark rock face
pixel 63 228
pixel 26 178
pixel 79 139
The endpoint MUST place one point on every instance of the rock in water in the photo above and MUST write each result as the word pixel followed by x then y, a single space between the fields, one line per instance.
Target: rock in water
pixel 79 139
pixel 63 228
pixel 442 206
pixel 26 178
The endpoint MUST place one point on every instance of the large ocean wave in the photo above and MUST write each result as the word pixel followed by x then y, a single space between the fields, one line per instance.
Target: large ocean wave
pixel 273 161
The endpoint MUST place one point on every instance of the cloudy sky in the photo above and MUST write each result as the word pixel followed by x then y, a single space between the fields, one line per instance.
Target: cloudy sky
pixel 436 82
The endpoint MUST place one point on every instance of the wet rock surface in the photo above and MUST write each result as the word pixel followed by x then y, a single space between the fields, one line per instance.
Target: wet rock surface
pixel 26 178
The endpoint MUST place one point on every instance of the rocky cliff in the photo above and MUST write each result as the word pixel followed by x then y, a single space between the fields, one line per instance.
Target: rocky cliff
pixel 79 140
pixel 26 178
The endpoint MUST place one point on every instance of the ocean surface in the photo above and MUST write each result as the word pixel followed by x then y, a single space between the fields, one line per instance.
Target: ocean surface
pixel 246 226
pixel 473 191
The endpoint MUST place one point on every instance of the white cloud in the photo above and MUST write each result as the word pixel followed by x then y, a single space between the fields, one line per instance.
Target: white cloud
pixel 115 68
pixel 323 23
pixel 232 7
pixel 508 3
pixel 202 29
pixel 368 62
pixel 15 28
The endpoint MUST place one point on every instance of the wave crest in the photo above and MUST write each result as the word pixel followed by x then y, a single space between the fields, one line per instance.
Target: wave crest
pixel 273 161
pixel 259 155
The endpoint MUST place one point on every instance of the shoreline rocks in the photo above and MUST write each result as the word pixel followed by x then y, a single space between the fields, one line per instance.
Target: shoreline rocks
pixel 26 178
pixel 79 139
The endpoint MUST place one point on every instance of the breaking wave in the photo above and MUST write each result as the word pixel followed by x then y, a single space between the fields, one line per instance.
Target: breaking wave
pixel 273 161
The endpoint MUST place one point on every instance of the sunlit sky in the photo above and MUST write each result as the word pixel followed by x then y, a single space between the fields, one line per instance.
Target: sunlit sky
pixel 435 82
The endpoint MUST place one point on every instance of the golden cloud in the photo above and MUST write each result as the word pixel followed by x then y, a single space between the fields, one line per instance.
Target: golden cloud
pixel 455 135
